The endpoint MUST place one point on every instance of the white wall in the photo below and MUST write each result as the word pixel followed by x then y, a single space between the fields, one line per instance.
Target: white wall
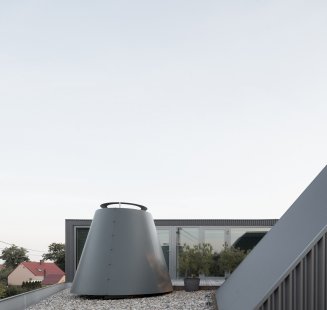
pixel 21 274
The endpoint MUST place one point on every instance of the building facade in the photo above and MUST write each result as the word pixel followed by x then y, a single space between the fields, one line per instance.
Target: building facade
pixel 47 273
pixel 173 234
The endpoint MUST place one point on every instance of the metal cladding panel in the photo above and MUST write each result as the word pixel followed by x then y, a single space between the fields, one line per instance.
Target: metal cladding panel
pixel 122 256
pixel 216 222
pixel 304 287
pixel 282 248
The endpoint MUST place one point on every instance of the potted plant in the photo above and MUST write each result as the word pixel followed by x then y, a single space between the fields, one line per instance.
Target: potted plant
pixel 193 261
pixel 230 258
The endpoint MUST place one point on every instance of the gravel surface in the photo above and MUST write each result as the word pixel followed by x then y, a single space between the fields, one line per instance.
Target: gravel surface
pixel 200 300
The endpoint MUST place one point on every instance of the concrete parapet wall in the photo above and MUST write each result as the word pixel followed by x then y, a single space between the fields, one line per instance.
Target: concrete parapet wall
pixel 22 301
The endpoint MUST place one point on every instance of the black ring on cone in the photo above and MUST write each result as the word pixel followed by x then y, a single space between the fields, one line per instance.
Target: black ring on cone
pixel 106 204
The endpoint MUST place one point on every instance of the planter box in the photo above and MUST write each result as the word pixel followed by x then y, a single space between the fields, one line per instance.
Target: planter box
pixel 191 284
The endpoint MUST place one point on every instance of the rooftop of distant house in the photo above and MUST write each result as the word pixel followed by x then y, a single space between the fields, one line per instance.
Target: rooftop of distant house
pixel 48 273
pixel 41 268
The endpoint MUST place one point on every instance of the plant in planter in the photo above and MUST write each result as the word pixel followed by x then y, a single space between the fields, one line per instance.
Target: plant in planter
pixel 230 258
pixel 214 270
pixel 194 261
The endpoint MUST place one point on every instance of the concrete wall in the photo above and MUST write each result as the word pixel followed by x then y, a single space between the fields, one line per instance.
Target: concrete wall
pixel 62 280
pixel 22 301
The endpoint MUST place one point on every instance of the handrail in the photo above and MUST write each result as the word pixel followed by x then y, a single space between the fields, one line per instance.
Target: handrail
pixel 105 205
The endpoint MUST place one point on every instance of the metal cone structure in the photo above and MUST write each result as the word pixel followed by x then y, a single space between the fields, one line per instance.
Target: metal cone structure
pixel 122 255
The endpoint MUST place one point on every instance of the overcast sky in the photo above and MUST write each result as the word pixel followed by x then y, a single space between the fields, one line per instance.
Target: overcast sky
pixel 196 109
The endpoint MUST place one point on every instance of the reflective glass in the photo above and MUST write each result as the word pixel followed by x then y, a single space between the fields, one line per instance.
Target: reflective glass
pixel 81 235
pixel 216 237
pixel 163 235
pixel 188 235
pixel 185 235
pixel 247 238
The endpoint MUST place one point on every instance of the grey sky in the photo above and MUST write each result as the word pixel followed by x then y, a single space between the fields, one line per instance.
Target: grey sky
pixel 196 109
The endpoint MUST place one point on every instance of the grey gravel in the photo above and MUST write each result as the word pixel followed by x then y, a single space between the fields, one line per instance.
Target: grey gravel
pixel 199 300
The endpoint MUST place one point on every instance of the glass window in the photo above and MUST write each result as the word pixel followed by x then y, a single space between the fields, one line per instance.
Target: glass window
pixel 81 235
pixel 185 235
pixel 163 235
pixel 216 237
pixel 246 238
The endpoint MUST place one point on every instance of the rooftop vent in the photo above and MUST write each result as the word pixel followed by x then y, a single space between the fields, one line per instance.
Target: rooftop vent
pixel 122 255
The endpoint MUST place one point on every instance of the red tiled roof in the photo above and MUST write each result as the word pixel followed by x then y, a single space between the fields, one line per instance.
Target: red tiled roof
pixel 51 279
pixel 38 268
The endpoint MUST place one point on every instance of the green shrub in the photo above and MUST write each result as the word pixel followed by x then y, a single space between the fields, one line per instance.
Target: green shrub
pixel 34 285
pixel 4 275
pixel 214 269
pixel 195 260
pixel 14 290
pixel 31 285
pixel 3 290
pixel 230 258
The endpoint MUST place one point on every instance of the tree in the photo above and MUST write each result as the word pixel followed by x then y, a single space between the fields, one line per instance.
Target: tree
pixel 4 273
pixel 13 256
pixel 56 253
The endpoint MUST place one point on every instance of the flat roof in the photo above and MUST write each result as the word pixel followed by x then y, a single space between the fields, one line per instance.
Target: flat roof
pixel 202 222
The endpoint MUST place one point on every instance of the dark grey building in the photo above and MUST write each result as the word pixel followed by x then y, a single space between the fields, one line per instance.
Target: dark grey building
pixel 173 234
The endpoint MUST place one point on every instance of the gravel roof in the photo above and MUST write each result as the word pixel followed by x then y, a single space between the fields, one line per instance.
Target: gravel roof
pixel 199 300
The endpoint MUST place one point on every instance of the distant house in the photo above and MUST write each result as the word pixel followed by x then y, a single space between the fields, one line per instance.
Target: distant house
pixel 47 273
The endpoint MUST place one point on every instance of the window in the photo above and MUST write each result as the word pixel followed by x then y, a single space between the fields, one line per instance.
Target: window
pixel 246 238
pixel 185 235
pixel 164 236
pixel 216 237
pixel 81 235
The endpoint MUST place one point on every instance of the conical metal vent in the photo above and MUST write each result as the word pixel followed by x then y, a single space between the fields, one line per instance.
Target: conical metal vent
pixel 122 255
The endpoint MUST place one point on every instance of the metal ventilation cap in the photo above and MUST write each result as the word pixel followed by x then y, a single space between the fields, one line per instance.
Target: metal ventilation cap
pixel 106 204
pixel 122 255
